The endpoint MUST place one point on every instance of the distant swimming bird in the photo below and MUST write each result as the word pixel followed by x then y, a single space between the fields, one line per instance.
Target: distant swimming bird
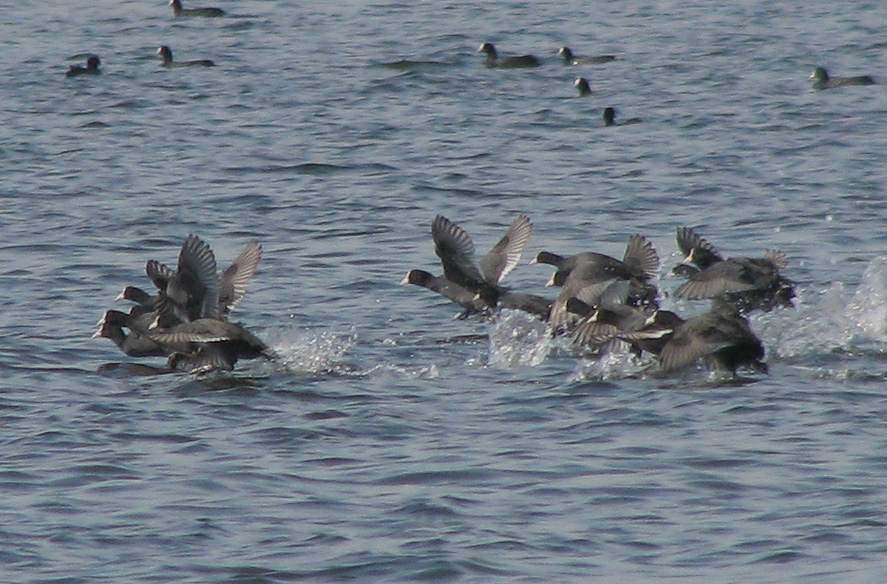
pixel 512 62
pixel 582 85
pixel 610 118
pixel 166 54
pixel 179 11
pixel 746 283
pixel 571 59
pixel 823 81
pixel 722 337
pixel 92 68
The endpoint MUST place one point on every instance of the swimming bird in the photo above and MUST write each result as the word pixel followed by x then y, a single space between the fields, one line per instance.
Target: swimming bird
pixel 721 337
pixel 581 84
pixel 511 62
pixel 822 80
pixel 166 54
pixel 177 10
pixel 571 59
pixel 92 68
pixel 610 118
pixel 746 283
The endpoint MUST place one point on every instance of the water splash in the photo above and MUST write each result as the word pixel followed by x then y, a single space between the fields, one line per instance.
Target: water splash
pixel 833 321
pixel 312 351
pixel 518 339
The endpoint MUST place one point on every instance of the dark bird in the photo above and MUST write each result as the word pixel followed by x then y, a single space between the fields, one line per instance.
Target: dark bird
pixel 454 247
pixel 746 283
pixel 722 337
pixel 582 86
pixel 179 11
pixel 511 62
pixel 473 303
pixel 166 54
pixel 571 59
pixel 822 80
pixel 610 118
pixel 638 267
pixel 206 344
pixel 92 68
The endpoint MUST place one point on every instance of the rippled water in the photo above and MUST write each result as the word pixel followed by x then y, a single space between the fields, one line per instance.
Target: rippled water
pixel 391 442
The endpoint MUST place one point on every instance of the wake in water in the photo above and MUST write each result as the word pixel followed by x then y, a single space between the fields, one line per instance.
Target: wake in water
pixel 312 352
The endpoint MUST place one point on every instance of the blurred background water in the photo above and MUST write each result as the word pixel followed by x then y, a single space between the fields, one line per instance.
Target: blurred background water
pixel 392 443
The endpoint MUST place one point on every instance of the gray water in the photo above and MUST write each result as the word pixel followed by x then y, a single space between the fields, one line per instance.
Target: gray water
pixel 391 442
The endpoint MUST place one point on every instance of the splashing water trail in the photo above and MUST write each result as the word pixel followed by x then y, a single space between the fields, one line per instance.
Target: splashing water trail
pixel 518 339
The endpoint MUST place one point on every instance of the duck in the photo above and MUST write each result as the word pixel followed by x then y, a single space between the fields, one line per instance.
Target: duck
pixel 571 59
pixel 511 62
pixel 187 293
pixel 746 283
pixel 822 80
pixel 166 54
pixel 639 265
pixel 454 247
pixel 721 337
pixel 92 68
pixel 582 86
pixel 208 344
pixel 178 10
pixel 470 301
pixel 134 343
pixel 473 303
pixel 610 118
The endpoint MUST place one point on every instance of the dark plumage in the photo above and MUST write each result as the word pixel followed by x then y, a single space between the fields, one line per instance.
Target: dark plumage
pixel 177 10
pixel 722 337
pixel 468 300
pixel 571 59
pixel 207 344
pixel 92 68
pixel 454 247
pixel 166 54
pixel 639 267
pixel 822 80
pixel 232 283
pixel 511 62
pixel 134 343
pixel 610 118
pixel 582 86
pixel 746 283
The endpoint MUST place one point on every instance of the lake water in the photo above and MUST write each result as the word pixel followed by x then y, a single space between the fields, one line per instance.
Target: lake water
pixel 392 442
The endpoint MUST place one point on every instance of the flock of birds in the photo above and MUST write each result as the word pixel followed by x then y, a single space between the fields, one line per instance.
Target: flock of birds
pixel 93 62
pixel 186 321
pixel 607 305
pixel 821 78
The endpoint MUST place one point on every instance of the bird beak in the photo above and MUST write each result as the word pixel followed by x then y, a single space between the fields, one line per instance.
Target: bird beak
pixel 551 281
pixel 406 280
